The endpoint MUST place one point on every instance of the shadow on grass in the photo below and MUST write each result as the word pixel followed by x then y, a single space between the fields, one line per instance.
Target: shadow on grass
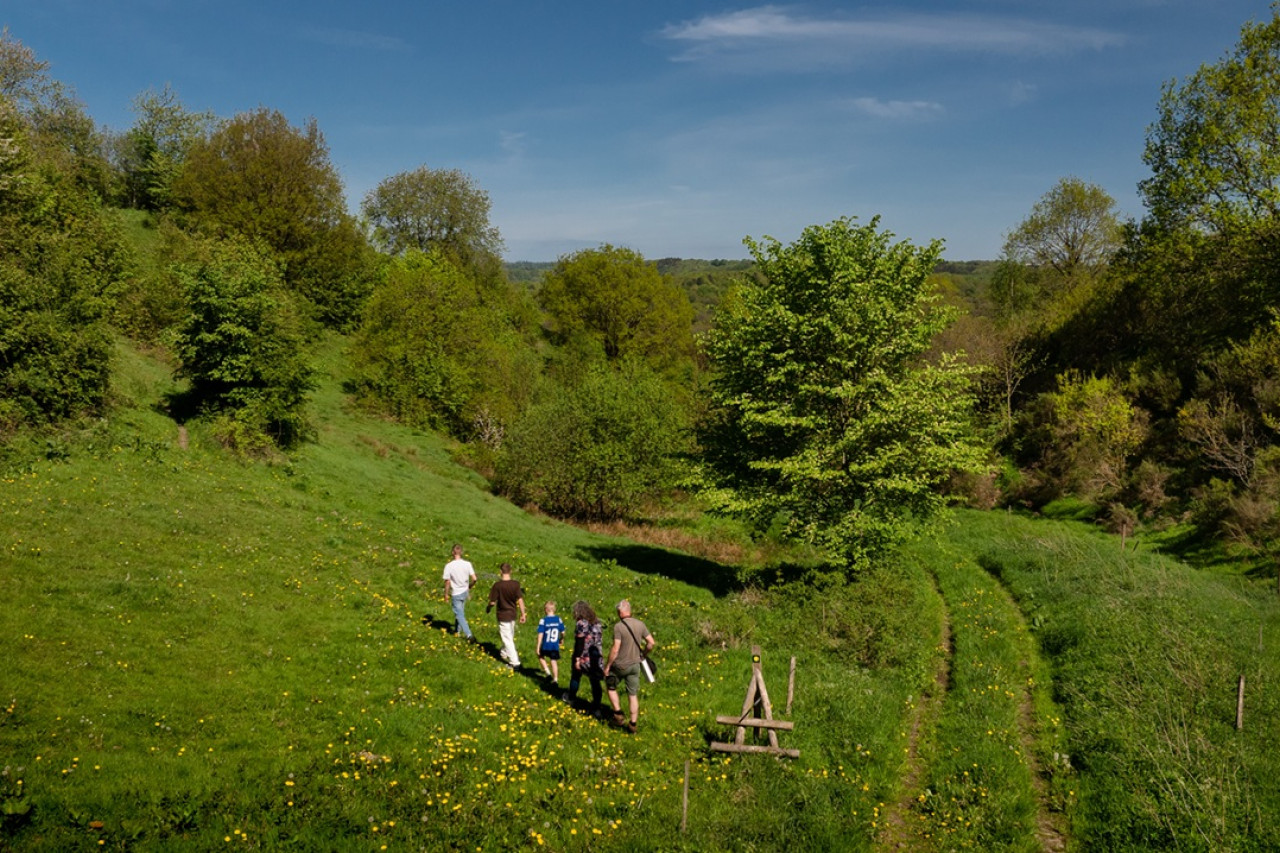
pixel 719 580
pixel 534 673
pixel 1199 548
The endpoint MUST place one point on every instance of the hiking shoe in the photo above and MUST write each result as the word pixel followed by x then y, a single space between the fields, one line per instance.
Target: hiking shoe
pixel 631 728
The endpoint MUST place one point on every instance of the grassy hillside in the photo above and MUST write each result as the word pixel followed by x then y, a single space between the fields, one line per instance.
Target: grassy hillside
pixel 1145 657
pixel 202 653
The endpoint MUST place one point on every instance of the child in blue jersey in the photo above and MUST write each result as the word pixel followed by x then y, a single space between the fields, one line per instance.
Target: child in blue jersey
pixel 550 632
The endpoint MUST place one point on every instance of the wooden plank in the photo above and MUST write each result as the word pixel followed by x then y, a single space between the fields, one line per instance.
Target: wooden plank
pixel 768 750
pixel 749 704
pixel 791 685
pixel 756 722
pixel 763 699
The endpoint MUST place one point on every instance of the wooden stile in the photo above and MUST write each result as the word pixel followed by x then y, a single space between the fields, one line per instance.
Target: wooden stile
pixel 757 715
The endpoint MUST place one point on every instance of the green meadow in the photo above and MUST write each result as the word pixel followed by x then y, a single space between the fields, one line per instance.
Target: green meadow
pixel 207 654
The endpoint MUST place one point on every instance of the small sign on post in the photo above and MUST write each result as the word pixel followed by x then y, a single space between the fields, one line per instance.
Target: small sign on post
pixel 757 714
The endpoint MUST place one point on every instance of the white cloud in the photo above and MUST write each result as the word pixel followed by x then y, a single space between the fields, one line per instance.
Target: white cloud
pixel 770 33
pixel 897 109
pixel 512 143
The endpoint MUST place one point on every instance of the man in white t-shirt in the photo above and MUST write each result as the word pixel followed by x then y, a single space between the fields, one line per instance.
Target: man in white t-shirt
pixel 459 577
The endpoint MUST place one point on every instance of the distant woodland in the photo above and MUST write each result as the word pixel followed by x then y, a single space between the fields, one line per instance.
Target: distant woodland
pixel 836 390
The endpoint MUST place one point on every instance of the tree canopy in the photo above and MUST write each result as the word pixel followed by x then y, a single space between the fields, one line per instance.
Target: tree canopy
pixel 1214 151
pixel 259 177
pixel 427 209
pixel 152 151
pixel 829 420
pixel 1072 228
pixel 617 299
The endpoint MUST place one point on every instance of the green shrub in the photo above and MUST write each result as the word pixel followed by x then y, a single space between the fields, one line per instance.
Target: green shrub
pixel 58 256
pixel 241 344
pixel 435 348
pixel 596 450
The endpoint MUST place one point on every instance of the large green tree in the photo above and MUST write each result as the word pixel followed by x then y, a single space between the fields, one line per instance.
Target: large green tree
pixel 436 347
pixel 830 422
pixel 260 177
pixel 150 154
pixel 60 253
pixel 619 301
pixel 241 345
pixel 1214 151
pixel 59 132
pixel 1072 230
pixel 427 209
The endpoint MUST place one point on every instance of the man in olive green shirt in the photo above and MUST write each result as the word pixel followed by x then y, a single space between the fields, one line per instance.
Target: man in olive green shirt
pixel 631 641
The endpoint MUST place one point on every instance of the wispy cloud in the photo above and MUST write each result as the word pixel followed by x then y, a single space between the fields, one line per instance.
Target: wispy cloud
pixel 774 32
pixel 897 109
pixel 1022 93
pixel 512 143
pixel 357 39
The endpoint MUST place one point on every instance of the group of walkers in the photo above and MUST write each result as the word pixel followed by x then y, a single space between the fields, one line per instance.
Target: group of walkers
pixel 631 638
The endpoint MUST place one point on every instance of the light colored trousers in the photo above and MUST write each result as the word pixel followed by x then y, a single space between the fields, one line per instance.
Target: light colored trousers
pixel 507 632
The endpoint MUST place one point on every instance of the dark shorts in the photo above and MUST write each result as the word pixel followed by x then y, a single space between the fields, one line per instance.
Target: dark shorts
pixel 549 654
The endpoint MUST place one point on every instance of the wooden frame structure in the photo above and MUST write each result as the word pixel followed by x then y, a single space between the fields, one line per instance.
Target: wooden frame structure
pixel 757 714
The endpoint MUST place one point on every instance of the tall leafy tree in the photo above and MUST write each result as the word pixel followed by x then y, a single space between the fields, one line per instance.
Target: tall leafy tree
pixel 152 151
pixel 1214 151
pixel 59 132
pixel 436 348
pixel 617 299
pixel 830 421
pixel 59 255
pixel 260 177
pixel 428 209
pixel 1072 229
pixel 241 345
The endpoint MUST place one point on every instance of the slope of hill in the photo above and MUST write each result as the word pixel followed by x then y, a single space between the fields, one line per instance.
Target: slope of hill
pixel 200 651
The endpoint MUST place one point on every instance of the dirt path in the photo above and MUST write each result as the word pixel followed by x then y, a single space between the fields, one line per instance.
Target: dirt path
pixel 897 833
pixel 900 830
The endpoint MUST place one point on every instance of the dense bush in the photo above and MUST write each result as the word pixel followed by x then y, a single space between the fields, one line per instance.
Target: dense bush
pixel 598 449
pixel 242 348
pixel 59 254
pixel 259 177
pixel 438 348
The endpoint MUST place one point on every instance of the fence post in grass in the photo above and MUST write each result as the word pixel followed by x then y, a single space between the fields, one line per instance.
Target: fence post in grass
pixel 684 808
pixel 791 685
pixel 1240 705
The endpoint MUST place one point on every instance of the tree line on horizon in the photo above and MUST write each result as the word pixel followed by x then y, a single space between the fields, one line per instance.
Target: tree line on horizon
pixel 836 390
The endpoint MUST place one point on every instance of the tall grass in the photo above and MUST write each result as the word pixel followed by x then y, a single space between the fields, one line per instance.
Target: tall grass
pixel 1145 656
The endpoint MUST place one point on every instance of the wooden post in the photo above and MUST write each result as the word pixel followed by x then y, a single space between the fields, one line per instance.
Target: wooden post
pixel 791 685
pixel 1240 705
pixel 684 807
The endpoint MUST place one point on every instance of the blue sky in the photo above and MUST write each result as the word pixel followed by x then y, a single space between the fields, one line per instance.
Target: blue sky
pixel 675 128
